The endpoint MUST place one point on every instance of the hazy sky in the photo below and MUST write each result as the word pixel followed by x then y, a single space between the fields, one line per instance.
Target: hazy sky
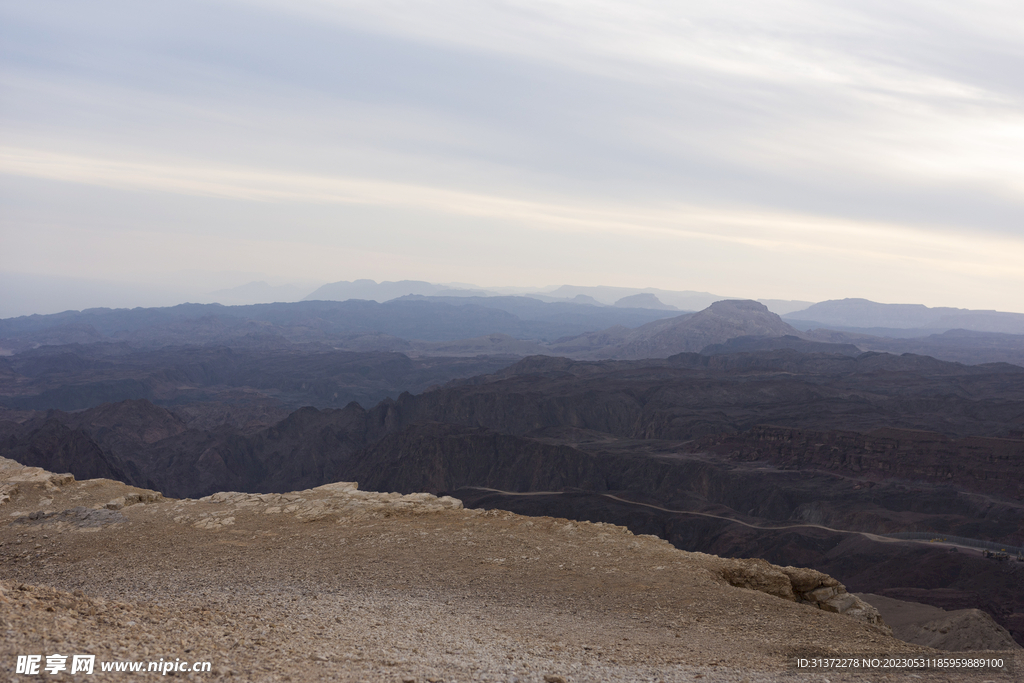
pixel 776 149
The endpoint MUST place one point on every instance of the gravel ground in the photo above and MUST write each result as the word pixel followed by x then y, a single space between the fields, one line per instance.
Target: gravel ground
pixel 334 584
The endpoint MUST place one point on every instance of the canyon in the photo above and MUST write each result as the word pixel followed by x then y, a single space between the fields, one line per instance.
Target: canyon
pixel 725 432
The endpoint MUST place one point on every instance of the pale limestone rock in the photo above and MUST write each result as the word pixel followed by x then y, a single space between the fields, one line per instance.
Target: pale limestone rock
pixel 14 472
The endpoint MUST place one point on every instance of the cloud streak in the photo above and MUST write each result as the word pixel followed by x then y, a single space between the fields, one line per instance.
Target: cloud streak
pixel 764 230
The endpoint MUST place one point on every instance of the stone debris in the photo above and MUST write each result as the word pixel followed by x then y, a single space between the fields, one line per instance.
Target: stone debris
pixel 78 517
pixel 141 496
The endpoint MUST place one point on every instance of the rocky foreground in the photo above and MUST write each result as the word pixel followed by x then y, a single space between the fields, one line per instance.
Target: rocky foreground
pixel 335 583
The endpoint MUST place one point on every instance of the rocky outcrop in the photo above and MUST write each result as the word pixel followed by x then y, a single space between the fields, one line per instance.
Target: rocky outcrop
pixel 134 498
pixel 13 473
pixel 800 584
pixel 334 501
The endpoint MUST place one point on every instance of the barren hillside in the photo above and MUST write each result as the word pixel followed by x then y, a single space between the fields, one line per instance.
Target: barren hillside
pixel 338 584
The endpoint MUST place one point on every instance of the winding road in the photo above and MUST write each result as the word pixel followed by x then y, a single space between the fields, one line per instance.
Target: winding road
pixel 865 534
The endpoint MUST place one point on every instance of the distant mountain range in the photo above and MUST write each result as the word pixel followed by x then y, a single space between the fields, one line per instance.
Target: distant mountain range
pixel 24 294
pixel 645 300
pixel 631 297
pixel 333 323
pixel 415 325
pixel 386 291
pixel 257 291
pixel 869 317
pixel 462 323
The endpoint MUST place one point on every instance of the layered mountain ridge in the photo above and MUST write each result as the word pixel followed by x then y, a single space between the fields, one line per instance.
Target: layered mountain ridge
pixel 509 326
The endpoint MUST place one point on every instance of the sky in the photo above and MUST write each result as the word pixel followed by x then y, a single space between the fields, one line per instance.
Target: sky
pixel 766 149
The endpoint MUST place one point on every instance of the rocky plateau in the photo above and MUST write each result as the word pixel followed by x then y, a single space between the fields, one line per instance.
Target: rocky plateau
pixel 335 583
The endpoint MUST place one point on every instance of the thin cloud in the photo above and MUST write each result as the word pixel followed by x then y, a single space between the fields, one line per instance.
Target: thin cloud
pixel 765 230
